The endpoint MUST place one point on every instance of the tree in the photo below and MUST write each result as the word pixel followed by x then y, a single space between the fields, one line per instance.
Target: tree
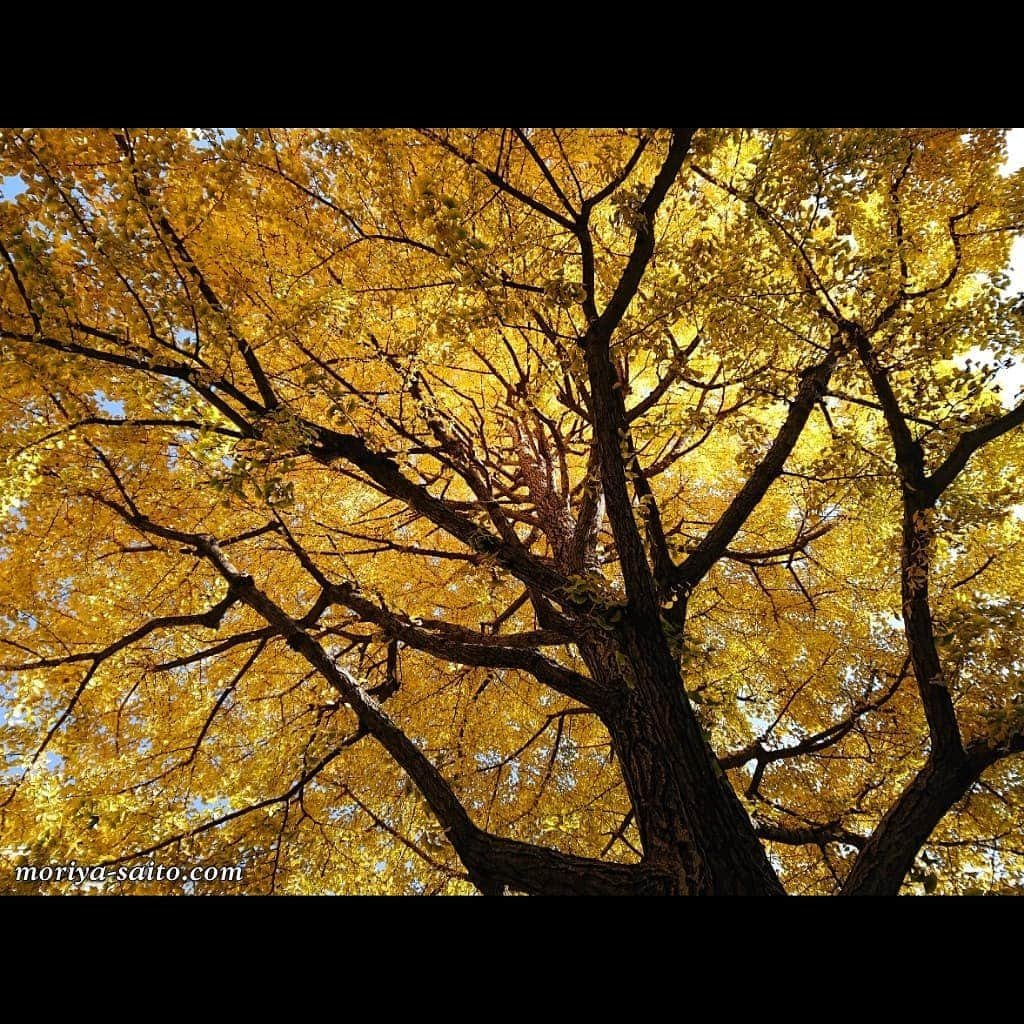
pixel 555 511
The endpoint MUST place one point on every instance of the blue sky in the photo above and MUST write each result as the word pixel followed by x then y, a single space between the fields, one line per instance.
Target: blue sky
pixel 11 186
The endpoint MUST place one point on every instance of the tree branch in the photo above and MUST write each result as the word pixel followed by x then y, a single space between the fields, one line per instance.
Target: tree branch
pixel 967 445
pixel 606 390
pixel 384 472
pixel 813 835
pixel 812 386
pixel 498 181
pixel 469 648
pixel 492 862
pixel 889 853
pixel 915 562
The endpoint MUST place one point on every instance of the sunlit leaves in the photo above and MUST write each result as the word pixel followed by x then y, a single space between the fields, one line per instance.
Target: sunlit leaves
pixel 188 313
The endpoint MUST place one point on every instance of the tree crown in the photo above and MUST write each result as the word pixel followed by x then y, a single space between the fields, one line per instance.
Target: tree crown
pixel 584 510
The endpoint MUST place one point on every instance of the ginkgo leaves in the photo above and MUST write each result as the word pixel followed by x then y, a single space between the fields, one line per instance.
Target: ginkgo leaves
pixel 345 413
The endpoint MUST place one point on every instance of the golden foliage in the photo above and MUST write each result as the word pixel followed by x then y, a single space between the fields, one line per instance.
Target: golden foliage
pixel 347 372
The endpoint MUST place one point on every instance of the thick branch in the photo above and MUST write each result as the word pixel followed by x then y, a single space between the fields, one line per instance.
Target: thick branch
pixel 177 371
pixel 815 835
pixel 909 457
pixel 889 854
pixel 609 409
pixel 493 863
pixel 507 863
pixel 967 445
pixel 468 648
pixel 915 562
pixel 713 546
pixel 384 471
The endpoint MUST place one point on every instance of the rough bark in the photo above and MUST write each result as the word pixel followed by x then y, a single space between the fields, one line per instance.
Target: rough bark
pixel 889 854
pixel 695 832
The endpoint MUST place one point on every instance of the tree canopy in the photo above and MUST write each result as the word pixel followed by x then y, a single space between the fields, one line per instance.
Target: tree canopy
pixel 558 511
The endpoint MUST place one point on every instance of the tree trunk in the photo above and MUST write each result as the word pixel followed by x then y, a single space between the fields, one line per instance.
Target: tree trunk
pixel 692 825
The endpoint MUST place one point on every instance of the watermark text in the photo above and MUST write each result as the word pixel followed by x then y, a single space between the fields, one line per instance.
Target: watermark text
pixel 103 874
